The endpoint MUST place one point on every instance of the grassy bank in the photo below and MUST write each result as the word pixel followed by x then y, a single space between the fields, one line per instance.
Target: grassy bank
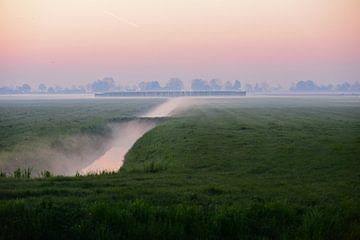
pixel 249 168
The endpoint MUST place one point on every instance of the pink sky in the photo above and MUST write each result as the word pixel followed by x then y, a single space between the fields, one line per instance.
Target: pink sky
pixel 68 42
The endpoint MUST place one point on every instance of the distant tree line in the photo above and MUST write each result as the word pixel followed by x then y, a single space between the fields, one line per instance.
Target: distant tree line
pixel 175 84
pixel 214 84
pixel 42 89
pixel 25 88
pixel 311 86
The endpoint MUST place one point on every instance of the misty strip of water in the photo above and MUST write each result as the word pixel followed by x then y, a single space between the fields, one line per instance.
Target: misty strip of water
pixel 125 136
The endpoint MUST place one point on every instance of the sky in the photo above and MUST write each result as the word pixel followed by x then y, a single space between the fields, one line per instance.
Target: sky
pixel 66 42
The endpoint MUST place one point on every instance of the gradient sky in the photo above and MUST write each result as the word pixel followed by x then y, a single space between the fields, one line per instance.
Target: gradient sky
pixel 68 42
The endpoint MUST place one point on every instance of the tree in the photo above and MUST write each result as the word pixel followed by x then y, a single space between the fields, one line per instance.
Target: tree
pixel 51 90
pixel 215 84
pixel 142 86
pixel 305 86
pixel 153 86
pixel 25 88
pixel 228 86
pixel 42 87
pixel 174 84
pixel 343 87
pixel 237 85
pixel 199 85
pixel 257 88
pixel 149 86
pixel 103 85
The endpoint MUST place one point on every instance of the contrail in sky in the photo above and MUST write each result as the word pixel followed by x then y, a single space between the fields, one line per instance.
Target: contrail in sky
pixel 123 20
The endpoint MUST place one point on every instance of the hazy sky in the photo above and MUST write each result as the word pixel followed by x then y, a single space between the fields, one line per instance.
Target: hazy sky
pixel 278 41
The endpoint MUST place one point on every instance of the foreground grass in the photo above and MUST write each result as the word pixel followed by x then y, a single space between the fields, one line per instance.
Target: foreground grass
pixel 267 168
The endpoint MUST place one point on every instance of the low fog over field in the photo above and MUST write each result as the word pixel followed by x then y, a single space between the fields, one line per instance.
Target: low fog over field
pixel 100 148
pixel 61 135
pixel 104 146
pixel 126 134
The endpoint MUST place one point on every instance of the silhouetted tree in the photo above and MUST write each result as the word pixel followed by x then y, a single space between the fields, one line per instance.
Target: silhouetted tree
pixel 174 84
pixel 51 90
pixel 106 84
pixel 237 85
pixel 343 87
pixel 199 85
pixel 150 86
pixel 215 84
pixel 228 86
pixel 305 86
pixel 42 87
pixel 25 88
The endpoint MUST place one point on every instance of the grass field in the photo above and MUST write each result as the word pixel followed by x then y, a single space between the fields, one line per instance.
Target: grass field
pixel 246 168
pixel 39 134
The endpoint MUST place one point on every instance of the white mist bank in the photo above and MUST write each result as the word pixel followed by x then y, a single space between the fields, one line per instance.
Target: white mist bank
pixel 126 134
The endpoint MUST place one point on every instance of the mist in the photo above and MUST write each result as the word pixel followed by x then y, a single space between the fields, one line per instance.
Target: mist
pixel 126 134
pixel 88 153
pixel 67 154
pixel 124 137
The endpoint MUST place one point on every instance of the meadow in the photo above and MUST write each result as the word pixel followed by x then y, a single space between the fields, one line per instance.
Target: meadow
pixel 60 135
pixel 243 168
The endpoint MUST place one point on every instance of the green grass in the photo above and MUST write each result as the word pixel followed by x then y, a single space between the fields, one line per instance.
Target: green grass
pixel 39 133
pixel 247 168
